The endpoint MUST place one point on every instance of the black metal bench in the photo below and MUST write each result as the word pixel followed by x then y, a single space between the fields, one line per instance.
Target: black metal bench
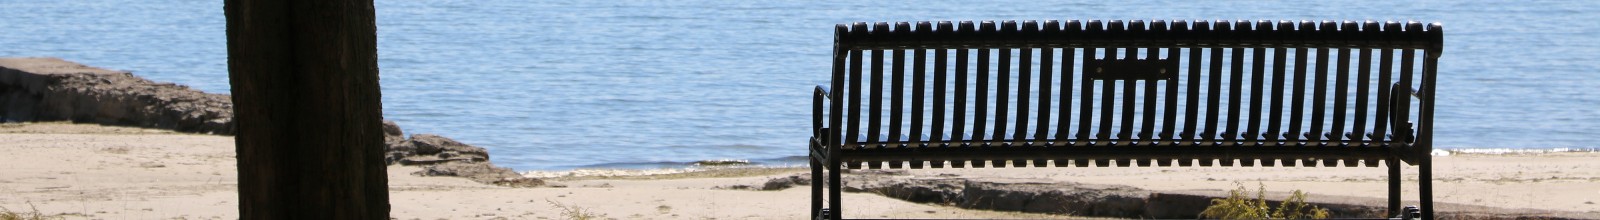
pixel 1062 94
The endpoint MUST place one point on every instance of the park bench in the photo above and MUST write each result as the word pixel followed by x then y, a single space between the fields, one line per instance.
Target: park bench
pixel 1126 93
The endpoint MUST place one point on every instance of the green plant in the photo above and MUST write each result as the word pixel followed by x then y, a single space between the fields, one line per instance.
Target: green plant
pixel 574 212
pixel 1237 206
pixel 7 214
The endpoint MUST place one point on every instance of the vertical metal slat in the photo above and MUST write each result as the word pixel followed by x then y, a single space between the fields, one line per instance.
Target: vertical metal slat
pixel 1380 123
pixel 1319 97
pixel 1002 93
pixel 1275 118
pixel 1235 94
pixel 1129 94
pixel 958 123
pixel 940 77
pixel 1108 97
pixel 1364 73
pixel 919 83
pixel 981 108
pixel 1341 93
pixel 875 100
pixel 1024 70
pixel 1258 78
pixel 1319 111
pixel 1046 75
pixel 919 86
pixel 1213 97
pixel 1402 120
pixel 1147 130
pixel 1068 77
pixel 897 96
pixel 1297 108
pixel 1086 101
pixel 1170 120
pixel 1192 111
pixel 853 130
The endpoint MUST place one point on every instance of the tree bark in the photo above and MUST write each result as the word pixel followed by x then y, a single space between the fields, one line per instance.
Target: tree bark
pixel 306 100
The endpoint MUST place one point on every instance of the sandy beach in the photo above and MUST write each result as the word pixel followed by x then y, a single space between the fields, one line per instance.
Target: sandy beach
pixel 99 172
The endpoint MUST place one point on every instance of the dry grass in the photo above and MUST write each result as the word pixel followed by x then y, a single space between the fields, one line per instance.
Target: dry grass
pixel 33 214
pixel 574 212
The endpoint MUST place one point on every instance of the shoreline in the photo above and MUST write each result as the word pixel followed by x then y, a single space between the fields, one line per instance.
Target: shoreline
pixel 52 89
pixel 45 89
pixel 800 162
pixel 97 171
pixel 81 171
pixel 93 171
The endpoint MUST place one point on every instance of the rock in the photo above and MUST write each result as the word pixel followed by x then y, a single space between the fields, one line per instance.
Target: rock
pixel 481 172
pixel 391 132
pixel 400 146
pixel 1003 195
pixel 939 191
pixel 390 158
pixel 983 195
pixel 787 182
pixel 395 145
pixel 426 160
pixel 520 182
pixel 1176 206
pixel 435 144
pixel 1052 197
pixel 51 89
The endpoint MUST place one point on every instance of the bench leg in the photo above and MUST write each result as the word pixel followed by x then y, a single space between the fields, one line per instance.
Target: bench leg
pixel 1394 186
pixel 835 198
pixel 816 187
pixel 1425 185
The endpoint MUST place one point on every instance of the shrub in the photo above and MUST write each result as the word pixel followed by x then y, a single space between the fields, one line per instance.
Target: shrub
pixel 1237 206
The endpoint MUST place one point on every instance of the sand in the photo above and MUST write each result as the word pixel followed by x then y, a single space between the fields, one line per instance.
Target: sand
pixel 99 172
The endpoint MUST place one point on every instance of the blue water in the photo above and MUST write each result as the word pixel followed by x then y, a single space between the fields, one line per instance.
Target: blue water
pixel 561 85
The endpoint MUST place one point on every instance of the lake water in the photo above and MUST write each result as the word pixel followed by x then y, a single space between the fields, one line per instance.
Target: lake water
pixel 562 85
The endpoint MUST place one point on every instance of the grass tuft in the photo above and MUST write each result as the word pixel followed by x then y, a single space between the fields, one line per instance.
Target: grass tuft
pixel 7 214
pixel 574 212
pixel 1237 206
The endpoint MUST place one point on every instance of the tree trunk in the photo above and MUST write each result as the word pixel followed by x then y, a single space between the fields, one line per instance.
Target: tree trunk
pixel 305 94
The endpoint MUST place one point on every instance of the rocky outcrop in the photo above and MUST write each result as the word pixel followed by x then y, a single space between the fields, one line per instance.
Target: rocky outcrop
pixel 51 89
pixel 481 172
pixel 428 149
pixel 786 182
pixel 1008 195
pixel 447 148
pixel 442 156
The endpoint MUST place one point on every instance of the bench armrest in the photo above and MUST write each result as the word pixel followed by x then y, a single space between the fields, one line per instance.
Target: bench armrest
pixel 818 111
pixel 1416 93
pixel 1404 130
pixel 824 91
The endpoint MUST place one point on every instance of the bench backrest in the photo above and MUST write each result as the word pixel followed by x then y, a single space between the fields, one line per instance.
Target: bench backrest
pixel 1132 83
